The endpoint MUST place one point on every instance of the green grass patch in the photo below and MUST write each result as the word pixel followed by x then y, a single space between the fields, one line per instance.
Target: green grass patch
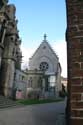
pixel 36 101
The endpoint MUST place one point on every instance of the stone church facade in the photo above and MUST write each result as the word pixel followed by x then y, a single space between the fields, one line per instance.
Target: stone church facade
pixel 10 53
pixel 46 60
pixel 43 78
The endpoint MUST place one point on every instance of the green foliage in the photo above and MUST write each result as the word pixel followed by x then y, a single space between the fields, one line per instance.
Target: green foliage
pixel 36 101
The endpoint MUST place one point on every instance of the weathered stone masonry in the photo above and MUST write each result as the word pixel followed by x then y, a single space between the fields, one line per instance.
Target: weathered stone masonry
pixel 74 38
pixel 10 54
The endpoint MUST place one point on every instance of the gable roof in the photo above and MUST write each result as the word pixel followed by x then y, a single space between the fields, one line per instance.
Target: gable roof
pixel 48 45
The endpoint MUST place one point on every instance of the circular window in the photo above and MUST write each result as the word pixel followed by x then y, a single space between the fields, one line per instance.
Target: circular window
pixel 43 66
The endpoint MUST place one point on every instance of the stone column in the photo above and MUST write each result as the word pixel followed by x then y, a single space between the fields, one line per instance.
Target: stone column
pixel 74 38
pixel 7 67
pixel 43 85
pixel 2 37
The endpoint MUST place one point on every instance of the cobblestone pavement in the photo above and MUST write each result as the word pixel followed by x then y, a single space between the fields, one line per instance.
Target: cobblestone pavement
pixel 43 114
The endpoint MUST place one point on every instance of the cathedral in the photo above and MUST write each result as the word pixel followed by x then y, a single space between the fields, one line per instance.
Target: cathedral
pixel 10 53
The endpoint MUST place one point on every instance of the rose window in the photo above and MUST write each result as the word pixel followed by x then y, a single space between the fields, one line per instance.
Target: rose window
pixel 43 66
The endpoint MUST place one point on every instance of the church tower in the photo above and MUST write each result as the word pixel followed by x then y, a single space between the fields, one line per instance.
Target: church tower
pixel 2 26
pixel 11 50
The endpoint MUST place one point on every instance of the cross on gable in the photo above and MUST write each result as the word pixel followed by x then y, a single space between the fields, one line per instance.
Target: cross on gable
pixel 45 36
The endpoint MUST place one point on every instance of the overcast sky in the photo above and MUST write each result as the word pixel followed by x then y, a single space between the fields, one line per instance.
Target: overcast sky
pixel 37 17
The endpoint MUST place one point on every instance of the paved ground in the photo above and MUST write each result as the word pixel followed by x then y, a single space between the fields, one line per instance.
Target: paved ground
pixel 44 114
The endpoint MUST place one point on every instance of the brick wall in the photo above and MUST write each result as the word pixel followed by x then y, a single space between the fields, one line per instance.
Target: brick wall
pixel 74 38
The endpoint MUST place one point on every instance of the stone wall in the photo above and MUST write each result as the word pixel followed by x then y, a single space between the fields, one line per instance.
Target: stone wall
pixel 10 52
pixel 74 37
pixel 21 82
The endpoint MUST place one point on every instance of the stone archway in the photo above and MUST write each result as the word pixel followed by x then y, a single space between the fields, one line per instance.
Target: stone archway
pixel 74 38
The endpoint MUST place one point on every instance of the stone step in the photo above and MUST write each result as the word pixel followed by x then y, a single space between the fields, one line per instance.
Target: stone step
pixel 6 102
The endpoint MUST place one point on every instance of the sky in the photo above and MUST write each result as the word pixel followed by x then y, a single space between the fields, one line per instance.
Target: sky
pixel 36 17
